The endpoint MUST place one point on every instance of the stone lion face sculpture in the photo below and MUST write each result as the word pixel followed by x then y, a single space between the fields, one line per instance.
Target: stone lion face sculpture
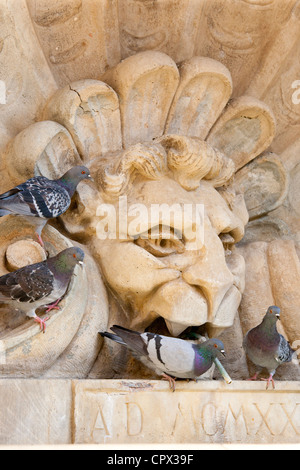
pixel 168 260
pixel 166 148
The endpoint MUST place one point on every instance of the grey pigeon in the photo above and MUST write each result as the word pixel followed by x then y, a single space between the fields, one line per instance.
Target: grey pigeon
pixel 41 199
pixel 167 356
pixel 40 284
pixel 265 347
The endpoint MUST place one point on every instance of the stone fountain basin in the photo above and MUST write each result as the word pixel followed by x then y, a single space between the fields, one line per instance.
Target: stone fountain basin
pixel 24 350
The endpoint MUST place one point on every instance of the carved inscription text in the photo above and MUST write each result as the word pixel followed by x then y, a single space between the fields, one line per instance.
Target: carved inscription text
pixel 141 415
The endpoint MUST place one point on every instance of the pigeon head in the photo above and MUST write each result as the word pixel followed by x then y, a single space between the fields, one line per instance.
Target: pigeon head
pixel 73 177
pixel 273 313
pixel 66 260
pixel 213 346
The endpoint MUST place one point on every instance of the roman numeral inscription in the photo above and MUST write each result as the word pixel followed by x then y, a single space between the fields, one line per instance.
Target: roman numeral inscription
pixel 110 412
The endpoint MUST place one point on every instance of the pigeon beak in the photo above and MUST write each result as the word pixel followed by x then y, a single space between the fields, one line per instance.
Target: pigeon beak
pixel 223 352
pixel 81 263
pixel 278 316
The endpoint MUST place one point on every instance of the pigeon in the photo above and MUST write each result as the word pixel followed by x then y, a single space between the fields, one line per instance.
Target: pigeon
pixel 167 356
pixel 266 348
pixel 40 199
pixel 40 284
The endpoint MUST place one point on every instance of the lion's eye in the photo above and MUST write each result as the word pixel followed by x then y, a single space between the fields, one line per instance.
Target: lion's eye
pixel 161 242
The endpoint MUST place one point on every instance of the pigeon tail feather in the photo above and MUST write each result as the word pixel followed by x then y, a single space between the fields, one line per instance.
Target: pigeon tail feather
pixel 122 328
pixel 132 339
pixel 9 193
pixel 115 338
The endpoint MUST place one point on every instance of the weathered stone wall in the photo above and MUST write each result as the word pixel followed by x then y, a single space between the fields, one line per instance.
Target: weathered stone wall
pixel 225 72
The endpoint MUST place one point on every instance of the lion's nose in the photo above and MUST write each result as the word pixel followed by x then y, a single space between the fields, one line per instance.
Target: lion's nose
pixel 212 275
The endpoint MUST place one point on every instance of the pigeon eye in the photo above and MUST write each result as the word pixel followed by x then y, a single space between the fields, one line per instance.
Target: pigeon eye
pixel 74 256
pixel 271 311
pixel 83 172
pixel 215 346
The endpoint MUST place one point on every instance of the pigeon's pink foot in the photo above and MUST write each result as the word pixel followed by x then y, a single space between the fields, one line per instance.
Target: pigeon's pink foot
pixel 269 380
pixel 53 306
pixel 170 380
pixel 40 240
pixel 252 379
pixel 42 323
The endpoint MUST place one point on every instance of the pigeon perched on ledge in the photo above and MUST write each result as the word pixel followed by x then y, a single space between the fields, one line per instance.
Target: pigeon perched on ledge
pixel 169 357
pixel 266 348
pixel 41 199
pixel 40 284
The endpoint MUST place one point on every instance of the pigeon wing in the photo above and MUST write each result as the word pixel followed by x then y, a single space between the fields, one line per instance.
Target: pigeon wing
pixel 172 355
pixel 285 352
pixel 29 284
pixel 37 197
pixel 47 202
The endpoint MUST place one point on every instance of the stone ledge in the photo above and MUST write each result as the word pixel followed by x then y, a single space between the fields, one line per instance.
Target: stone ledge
pixel 47 412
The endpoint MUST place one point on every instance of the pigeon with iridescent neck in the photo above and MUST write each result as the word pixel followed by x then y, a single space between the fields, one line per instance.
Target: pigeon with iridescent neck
pixel 40 199
pixel 266 348
pixel 40 284
pixel 167 356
